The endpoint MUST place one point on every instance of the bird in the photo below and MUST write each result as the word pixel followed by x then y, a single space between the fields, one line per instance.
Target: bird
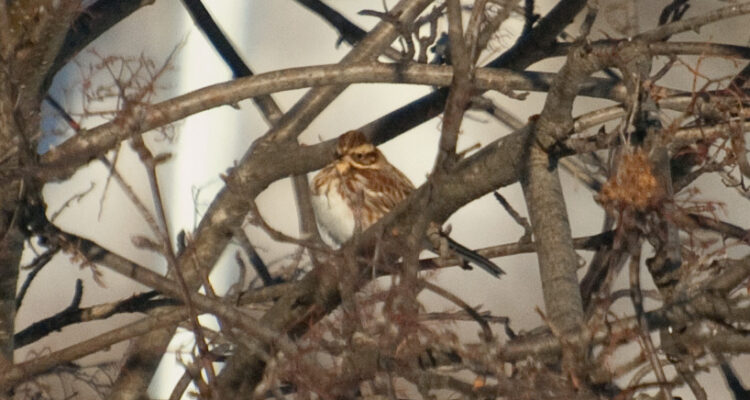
pixel 359 187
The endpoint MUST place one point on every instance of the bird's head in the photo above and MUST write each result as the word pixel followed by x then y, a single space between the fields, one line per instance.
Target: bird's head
pixel 354 151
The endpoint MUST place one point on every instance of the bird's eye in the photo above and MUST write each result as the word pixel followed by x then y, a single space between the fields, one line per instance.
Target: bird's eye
pixel 364 158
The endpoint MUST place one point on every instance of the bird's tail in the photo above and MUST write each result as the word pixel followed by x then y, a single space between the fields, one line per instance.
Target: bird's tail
pixel 475 258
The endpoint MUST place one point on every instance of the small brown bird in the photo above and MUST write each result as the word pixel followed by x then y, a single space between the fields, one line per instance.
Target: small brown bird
pixel 359 187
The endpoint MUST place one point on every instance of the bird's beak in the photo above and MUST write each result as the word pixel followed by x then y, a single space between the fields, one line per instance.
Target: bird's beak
pixel 342 166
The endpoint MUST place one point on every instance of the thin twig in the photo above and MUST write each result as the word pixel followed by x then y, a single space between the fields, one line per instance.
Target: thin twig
pixel 516 217
pixel 645 337
pixel 665 31
pixel 150 163
pixel 486 329
pixel 36 266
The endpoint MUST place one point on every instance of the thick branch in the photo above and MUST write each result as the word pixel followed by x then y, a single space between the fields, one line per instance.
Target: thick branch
pixel 61 162
pixel 558 261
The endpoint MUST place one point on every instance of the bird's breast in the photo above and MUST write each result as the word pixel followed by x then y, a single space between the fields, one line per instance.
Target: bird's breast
pixel 335 217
